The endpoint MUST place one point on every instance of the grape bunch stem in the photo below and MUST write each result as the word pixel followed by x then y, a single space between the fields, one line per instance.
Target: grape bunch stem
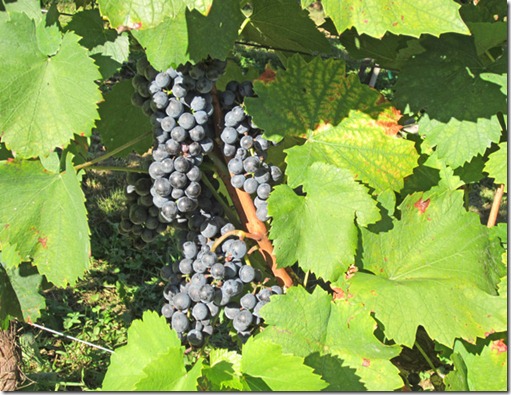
pixel 244 205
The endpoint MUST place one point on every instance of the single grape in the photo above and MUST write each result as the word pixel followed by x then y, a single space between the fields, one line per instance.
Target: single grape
pixel 200 311
pixel 174 108
pixel 248 301
pixel 186 205
pixel 167 165
pixel 198 103
pixel 250 185
pixel 276 173
pixel 162 80
pixel 229 135
pixel 185 266
pixel 246 274
pixel 186 120
pixel 167 310
pixel 238 249
pixel 227 228
pixel 172 146
pixel 177 193
pixel 264 295
pixel 167 124
pixel 190 249
pixel 246 142
pixel 237 181
pixel 179 322
pixel 197 133
pixel 262 213
pixel 263 191
pixel 235 166
pixel 194 174
pixel 179 90
pixel 198 266
pixel 217 271
pixel 179 134
pixel 242 320
pixel 206 293
pixel 201 117
pixel 229 150
pixel 195 338
pixel 251 164
pixel 178 179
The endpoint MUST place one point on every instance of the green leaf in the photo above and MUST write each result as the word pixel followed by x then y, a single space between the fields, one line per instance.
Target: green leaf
pixel 456 380
pixel 43 101
pixel 486 370
pixel 375 17
pixel 390 51
pixel 360 145
pixel 496 166
pixel 108 48
pixel 224 370
pixel 121 122
pixel 488 35
pixel 32 8
pixel 153 360
pixel 139 14
pixel 289 374
pixel 214 34
pixel 307 94
pixel 282 24
pixel 338 328
pixel 19 292
pixel 43 215
pixel 156 40
pixel 437 261
pixel 318 230
pixel 458 142
pixel 167 373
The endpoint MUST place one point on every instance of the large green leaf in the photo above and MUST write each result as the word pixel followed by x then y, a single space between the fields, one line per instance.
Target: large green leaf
pixel 214 34
pixel 153 360
pixel 453 61
pixel 339 329
pixel 42 214
pixel 461 125
pixel 359 144
pixel 19 292
pixel 375 17
pixel 305 94
pixel 121 122
pixel 47 88
pixel 283 25
pixel 156 41
pixel 319 230
pixel 437 261
pixel 288 374
pixel 108 48
pixel 496 167
pixel 139 14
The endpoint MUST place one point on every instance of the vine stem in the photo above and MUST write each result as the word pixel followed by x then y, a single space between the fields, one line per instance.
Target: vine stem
pixel 494 212
pixel 236 232
pixel 117 168
pixel 114 151
pixel 245 206
pixel 426 357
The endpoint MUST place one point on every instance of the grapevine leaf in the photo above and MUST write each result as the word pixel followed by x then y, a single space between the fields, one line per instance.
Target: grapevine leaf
pixel 31 8
pixel 496 167
pixel 152 346
pixel 289 374
pixel 456 380
pixel 375 17
pixel 359 144
pixel 43 103
pixel 338 328
pixel 167 373
pixel 390 51
pixel 490 362
pixel 437 261
pixel 458 142
pixel 282 24
pixel 334 373
pixel 139 14
pixel 224 370
pixel 453 60
pixel 19 292
pixel 325 247
pixel 214 34
pixel 305 94
pixel 44 216
pixel 108 48
pixel 121 122
pixel 488 35
pixel 156 41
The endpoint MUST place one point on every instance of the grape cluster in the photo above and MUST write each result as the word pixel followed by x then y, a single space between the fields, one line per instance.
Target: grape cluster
pixel 141 219
pixel 215 280
pixel 246 148
pixel 205 282
pixel 180 107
